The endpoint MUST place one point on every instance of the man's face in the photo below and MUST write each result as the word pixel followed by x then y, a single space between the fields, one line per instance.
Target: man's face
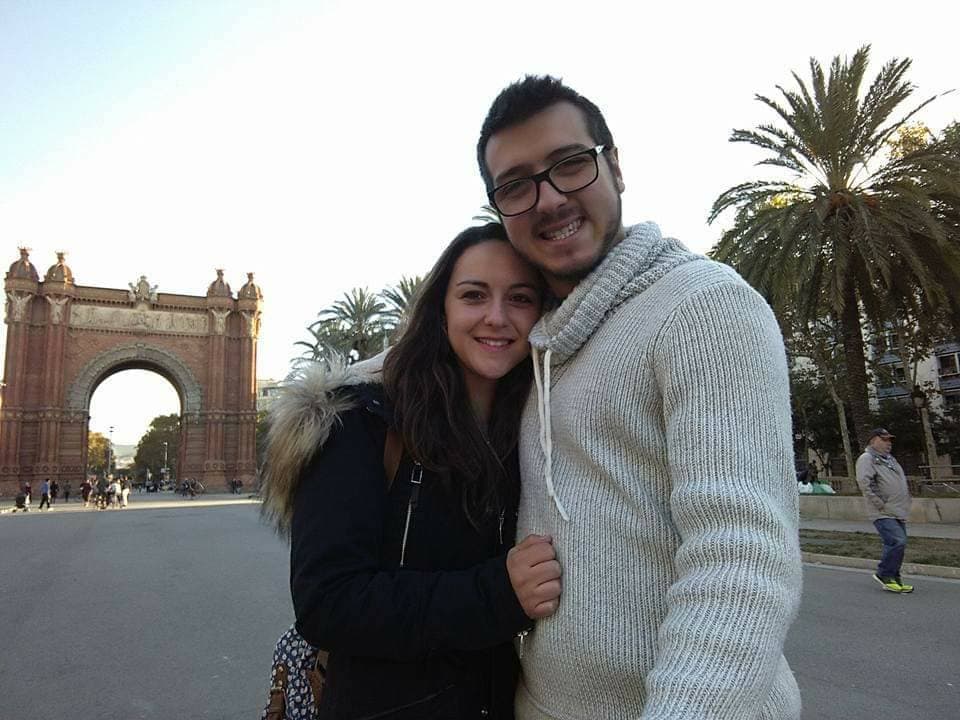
pixel 565 235
pixel 882 444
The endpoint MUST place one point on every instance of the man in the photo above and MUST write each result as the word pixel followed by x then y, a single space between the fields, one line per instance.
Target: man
pixel 884 486
pixel 656 450
pixel 44 494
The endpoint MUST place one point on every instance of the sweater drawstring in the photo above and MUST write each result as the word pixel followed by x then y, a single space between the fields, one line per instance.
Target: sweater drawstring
pixel 546 432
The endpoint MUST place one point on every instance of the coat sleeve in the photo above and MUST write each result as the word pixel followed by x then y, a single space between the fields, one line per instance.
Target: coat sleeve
pixel 343 601
pixel 866 480
pixel 726 406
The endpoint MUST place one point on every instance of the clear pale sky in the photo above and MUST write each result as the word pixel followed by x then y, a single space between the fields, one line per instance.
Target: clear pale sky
pixel 330 145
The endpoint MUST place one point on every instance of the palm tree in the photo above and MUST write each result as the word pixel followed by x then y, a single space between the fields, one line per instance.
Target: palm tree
pixel 326 341
pixel 851 229
pixel 352 327
pixel 400 300
pixel 487 214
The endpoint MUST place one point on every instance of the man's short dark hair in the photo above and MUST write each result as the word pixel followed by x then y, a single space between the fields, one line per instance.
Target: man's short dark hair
pixel 524 99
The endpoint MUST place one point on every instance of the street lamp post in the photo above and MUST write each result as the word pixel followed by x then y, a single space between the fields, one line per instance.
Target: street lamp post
pixel 109 451
pixel 919 398
pixel 165 471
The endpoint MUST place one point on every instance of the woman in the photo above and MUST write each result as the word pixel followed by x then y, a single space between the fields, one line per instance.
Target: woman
pixel 405 579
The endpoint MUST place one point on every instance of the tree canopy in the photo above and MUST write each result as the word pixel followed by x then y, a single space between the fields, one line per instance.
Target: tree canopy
pixel 150 449
pixel 850 230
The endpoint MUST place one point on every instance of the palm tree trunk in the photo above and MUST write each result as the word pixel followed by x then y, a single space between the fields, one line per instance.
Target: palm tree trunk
pixel 856 362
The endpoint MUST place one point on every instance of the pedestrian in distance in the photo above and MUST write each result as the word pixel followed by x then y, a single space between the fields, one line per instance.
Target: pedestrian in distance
pixel 124 492
pixel 85 489
pixel 399 491
pixel 66 492
pixel 54 491
pixel 44 494
pixel 20 503
pixel 657 448
pixel 113 494
pixel 101 499
pixel 887 500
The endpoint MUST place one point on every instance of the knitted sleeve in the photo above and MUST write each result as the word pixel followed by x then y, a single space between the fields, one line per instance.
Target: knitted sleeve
pixel 734 502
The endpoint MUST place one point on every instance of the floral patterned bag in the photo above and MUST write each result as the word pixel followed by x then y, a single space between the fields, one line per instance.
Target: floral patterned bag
pixel 299 673
pixel 296 682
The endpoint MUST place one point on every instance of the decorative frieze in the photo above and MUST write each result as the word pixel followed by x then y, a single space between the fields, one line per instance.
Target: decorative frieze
pixel 142 320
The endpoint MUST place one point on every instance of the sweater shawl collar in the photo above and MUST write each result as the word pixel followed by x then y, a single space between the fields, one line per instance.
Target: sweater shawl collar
pixel 634 264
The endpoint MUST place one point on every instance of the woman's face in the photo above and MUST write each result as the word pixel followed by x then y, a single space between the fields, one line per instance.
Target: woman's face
pixel 492 301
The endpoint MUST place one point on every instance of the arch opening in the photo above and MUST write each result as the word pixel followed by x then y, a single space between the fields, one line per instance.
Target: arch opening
pixel 134 426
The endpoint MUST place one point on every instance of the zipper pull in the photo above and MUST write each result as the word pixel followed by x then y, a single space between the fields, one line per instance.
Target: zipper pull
pixel 411 505
pixel 520 638
pixel 500 528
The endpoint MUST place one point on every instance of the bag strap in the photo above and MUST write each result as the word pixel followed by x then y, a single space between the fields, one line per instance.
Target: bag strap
pixel 392 453
pixel 276 708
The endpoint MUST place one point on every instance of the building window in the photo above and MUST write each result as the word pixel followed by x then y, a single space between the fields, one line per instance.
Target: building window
pixel 891 342
pixel 892 374
pixel 949 365
pixel 951 400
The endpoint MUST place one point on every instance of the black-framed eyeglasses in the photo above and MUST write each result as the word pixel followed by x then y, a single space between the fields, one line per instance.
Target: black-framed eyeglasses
pixel 569 175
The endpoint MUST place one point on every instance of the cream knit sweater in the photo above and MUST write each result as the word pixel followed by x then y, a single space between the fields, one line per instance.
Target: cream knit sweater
pixel 661 427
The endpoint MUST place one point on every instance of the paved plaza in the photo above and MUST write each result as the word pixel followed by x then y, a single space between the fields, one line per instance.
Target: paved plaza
pixel 170 610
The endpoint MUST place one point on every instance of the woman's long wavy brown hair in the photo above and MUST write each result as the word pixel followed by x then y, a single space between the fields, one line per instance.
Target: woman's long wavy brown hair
pixel 432 411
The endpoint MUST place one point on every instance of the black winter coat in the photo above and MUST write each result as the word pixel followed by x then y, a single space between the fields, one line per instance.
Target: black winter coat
pixel 431 639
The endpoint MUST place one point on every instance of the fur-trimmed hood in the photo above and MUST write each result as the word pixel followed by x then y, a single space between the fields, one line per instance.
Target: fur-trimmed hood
pixel 299 423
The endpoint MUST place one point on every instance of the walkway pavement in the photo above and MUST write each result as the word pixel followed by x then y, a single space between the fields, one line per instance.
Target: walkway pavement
pixel 140 501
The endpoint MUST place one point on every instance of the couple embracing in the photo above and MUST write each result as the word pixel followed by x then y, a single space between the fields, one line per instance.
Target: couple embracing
pixel 568 491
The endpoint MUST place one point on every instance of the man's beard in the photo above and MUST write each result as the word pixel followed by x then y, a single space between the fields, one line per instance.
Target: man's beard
pixel 610 238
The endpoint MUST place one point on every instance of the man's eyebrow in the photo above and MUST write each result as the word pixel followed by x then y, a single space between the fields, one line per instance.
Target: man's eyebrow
pixel 525 169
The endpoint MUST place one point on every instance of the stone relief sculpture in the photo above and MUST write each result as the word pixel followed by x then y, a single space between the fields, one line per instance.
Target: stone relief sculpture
pixel 142 291
pixel 251 323
pixel 17 309
pixel 94 317
pixel 219 321
pixel 57 304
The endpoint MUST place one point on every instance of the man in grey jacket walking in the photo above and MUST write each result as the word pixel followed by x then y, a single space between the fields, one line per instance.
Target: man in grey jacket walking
pixel 884 486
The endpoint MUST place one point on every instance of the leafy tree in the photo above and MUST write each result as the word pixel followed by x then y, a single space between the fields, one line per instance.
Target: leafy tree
pixel 150 449
pixel 814 416
pixel 951 137
pixel 820 342
pixel 909 139
pixel 946 430
pixel 847 230
pixel 98 448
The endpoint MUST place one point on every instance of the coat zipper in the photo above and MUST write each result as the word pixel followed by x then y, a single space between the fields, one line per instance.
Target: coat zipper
pixel 417 470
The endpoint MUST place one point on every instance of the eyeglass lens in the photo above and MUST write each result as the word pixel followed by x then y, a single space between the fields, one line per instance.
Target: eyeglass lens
pixel 569 175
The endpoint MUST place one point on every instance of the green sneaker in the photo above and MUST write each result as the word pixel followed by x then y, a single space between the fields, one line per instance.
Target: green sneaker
pixel 889 583
pixel 904 588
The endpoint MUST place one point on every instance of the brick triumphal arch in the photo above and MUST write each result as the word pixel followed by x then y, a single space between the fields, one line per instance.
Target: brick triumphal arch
pixel 64 339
